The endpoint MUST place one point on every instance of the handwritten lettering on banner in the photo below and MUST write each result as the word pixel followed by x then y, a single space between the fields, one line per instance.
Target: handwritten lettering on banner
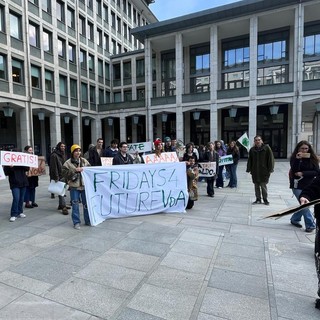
pixel 207 169
pixel 132 190
pixel 140 147
pixel 106 161
pixel 9 158
pixel 164 157
pixel 2 175
pixel 224 160
pixel 40 170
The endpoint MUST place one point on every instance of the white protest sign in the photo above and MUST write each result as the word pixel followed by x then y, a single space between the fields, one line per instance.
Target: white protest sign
pixel 224 160
pixel 106 161
pixel 140 147
pixel 9 158
pixel 132 190
pixel 207 169
pixel 2 175
pixel 164 157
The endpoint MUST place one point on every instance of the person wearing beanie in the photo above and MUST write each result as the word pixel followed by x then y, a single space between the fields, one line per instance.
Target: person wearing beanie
pixel 71 171
pixel 157 147
pixel 57 159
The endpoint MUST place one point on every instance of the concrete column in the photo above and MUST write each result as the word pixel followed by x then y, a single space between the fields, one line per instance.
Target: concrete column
pixel 179 87
pixel 134 131
pixel 96 129
pixel 43 139
pixel 76 123
pixel 214 75
pixel 55 128
pixel 25 137
pixel 134 78
pixel 123 128
pixel 148 77
pixel 253 78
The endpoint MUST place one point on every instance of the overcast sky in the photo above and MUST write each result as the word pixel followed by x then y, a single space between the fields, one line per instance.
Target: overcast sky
pixel 167 9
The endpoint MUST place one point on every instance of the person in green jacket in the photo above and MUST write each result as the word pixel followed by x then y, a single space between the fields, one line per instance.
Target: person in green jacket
pixel 260 165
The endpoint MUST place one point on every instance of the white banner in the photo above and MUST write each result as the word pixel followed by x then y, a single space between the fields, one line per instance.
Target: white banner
pixel 207 169
pixel 140 147
pixel 106 161
pixel 164 157
pixel 9 158
pixel 132 190
pixel 224 160
pixel 2 175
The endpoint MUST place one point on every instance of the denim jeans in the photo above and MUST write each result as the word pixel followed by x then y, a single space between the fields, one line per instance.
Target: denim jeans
pixel 17 201
pixel 30 195
pixel 233 183
pixel 306 213
pixel 75 196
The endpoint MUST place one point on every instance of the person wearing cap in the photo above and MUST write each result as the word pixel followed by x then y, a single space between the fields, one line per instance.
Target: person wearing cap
pixel 71 170
pixel 157 147
pixel 122 157
pixel 167 145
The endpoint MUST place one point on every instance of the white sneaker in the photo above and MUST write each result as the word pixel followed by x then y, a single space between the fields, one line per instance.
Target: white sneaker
pixel 77 226
pixel 12 219
pixel 22 215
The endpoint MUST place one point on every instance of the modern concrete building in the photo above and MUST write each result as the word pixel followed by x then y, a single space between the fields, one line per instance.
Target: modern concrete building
pixel 252 66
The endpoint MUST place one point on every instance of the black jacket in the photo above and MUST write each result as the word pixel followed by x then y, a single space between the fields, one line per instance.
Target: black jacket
pixel 94 157
pixel 17 176
pixel 312 192
pixel 57 159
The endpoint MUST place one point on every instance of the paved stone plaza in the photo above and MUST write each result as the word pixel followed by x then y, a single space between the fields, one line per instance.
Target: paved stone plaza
pixel 217 261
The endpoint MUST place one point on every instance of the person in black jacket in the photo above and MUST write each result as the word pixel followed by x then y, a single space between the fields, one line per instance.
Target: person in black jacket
pixel 312 192
pixel 122 157
pixel 18 182
pixel 96 153
pixel 211 156
pixel 304 166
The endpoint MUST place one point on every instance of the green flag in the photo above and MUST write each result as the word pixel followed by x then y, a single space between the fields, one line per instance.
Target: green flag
pixel 244 140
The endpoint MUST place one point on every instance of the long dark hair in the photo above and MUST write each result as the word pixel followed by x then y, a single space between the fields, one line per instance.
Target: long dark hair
pixel 313 157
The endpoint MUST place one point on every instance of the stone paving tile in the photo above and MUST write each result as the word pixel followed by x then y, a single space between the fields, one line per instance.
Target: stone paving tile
pixel 90 297
pixel 193 249
pixel 178 280
pixel 186 262
pixel 134 260
pixel 7 238
pixel 46 270
pixel 41 241
pixel 205 239
pixel 27 284
pixel 30 306
pixel 118 277
pixel 19 251
pixel 239 282
pixel 291 265
pixel 8 294
pixel 241 264
pixel 143 247
pixel 242 251
pixel 74 256
pixel 244 240
pixel 159 228
pixel 241 307
pixel 105 234
pixel 117 225
pixel 152 236
pixel 237 220
pixel 164 303
pixel 131 314
pixel 26 231
pixel 204 316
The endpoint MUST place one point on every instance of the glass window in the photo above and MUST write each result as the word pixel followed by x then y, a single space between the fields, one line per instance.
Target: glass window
pixel 273 75
pixel 63 86
pixel 71 18
pixel 3 66
pixel 106 13
pixel 140 68
pixel 91 62
pixel 140 94
pixel 311 70
pixel 61 48
pixel 17 71
pixel 90 31
pixel 99 7
pixel 83 59
pixel 116 72
pixel 100 68
pixel 47 41
pixel 113 20
pixel 127 95
pixel 35 2
pixel 60 11
pixel 90 4
pixel 15 26
pixel 92 94
pixel 33 35
pixel 82 26
pixel 101 96
pixel 48 81
pixel 312 45
pixel 46 5
pixel 107 71
pixel 35 77
pixel 72 53
pixel 117 97
pixel 99 37
pixel 84 92
pixel 73 88
pixel 168 74
pixel 2 20
pixel 200 84
pixel 127 70
pixel 106 42
pixel 129 9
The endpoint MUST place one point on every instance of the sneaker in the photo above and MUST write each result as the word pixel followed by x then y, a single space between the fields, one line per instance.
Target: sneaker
pixel 21 215
pixel 310 229
pixel 77 226
pixel 65 211
pixel 34 205
pixel 12 219
pixel 257 202
pixel 29 206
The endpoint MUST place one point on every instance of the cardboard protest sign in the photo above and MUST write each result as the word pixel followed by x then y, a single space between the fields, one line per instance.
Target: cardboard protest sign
pixel 139 147
pixel 164 157
pixel 40 170
pixel 9 158
pixel 224 160
pixel 132 190
pixel 106 161
pixel 207 169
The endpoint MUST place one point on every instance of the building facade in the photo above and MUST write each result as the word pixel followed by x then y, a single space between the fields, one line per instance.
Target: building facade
pixel 252 66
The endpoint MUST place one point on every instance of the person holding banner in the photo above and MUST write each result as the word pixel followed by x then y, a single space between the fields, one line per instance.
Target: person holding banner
pixel 211 156
pixel 219 148
pixel 18 182
pixel 260 165
pixel 189 153
pixel 304 167
pixel 232 168
pixel 122 157
pixel 71 170
pixel 33 182
pixel 157 147
pixel 192 180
